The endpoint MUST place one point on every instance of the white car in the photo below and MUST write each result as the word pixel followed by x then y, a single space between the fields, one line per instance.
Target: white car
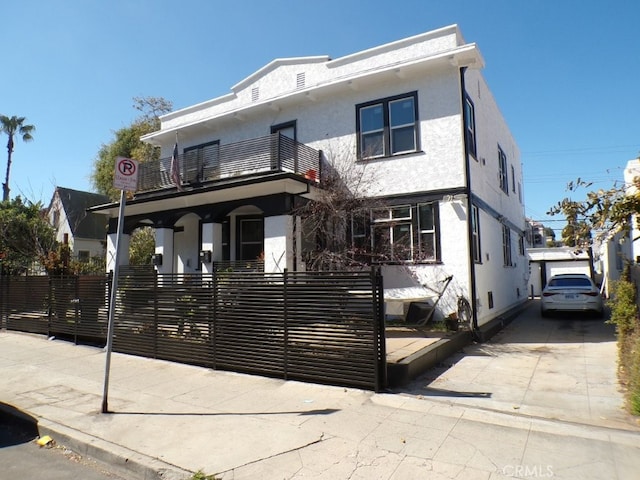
pixel 571 292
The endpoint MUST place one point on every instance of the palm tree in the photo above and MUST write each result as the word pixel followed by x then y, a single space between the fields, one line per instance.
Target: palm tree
pixel 12 126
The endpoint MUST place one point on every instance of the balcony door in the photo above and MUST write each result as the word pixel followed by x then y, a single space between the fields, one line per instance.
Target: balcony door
pixel 284 157
pixel 202 162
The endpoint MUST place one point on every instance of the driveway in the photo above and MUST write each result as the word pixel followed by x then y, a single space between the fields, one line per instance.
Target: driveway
pixel 560 368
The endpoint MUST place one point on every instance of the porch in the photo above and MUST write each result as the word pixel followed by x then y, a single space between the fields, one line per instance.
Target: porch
pixel 214 162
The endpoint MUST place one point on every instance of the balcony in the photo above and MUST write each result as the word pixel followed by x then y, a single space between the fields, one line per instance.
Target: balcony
pixel 214 162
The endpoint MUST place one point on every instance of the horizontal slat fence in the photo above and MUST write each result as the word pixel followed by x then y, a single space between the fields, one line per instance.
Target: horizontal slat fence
pixel 324 327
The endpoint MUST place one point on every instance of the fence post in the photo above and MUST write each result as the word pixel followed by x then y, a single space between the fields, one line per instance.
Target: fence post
pixel 77 308
pixel 50 306
pixel 379 328
pixel 286 325
pixel 213 323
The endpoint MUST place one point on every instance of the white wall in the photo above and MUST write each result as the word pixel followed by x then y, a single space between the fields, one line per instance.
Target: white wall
pixel 325 112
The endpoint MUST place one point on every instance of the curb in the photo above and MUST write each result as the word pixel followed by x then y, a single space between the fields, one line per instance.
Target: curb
pixel 119 460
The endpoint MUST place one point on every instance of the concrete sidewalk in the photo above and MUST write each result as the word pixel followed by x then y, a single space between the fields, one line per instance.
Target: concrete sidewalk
pixel 170 420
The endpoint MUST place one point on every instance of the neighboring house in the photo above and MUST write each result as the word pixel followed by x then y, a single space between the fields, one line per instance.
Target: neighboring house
pixel 619 248
pixel 84 232
pixel 611 254
pixel 536 234
pixel 414 118
pixel 546 262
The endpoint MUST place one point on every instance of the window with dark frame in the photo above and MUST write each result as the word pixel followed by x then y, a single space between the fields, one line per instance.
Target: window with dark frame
pixel 502 171
pixel 521 247
pixel 470 126
pixel 201 162
pixel 506 246
pixel 388 126
pixel 397 233
pixel 475 233
pixel 250 238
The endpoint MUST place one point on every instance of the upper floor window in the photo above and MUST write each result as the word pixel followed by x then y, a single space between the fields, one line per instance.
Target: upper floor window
pixel 387 127
pixel 470 126
pixel 502 171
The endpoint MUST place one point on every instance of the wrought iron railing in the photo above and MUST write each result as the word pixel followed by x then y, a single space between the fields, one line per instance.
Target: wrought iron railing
pixel 272 153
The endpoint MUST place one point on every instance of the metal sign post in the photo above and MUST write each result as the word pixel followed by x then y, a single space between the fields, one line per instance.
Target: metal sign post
pixel 126 179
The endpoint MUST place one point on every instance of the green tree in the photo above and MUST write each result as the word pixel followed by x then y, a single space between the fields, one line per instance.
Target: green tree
pixel 602 210
pixel 25 235
pixel 142 246
pixel 127 143
pixel 13 126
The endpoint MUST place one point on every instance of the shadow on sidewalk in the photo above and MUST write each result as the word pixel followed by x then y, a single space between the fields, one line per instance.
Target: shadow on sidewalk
pixel 16 427
pixel 324 411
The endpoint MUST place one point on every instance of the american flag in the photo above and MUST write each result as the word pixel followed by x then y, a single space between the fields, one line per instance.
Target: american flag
pixel 175 168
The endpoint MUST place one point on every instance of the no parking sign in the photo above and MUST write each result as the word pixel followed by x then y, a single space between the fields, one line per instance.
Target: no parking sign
pixel 126 174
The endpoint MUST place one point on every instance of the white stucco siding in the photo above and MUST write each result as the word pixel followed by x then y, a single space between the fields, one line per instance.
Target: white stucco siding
pixel 186 247
pixel 280 78
pixel 507 285
pixel 491 132
pixel 426 281
pixel 94 247
pixel 330 125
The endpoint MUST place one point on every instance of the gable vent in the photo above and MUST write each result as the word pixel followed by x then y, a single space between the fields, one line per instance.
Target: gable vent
pixel 300 80
pixel 255 94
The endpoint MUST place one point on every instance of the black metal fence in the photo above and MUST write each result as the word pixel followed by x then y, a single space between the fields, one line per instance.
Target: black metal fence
pixel 319 327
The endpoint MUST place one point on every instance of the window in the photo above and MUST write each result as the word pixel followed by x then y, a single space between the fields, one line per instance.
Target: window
pixel 399 233
pixel 470 126
pixel 506 245
pixel 391 232
pixel 502 171
pixel 287 129
pixel 475 232
pixel 387 127
pixel 83 256
pixel 513 179
pixel 201 162
pixel 250 238
pixel 521 248
pixel 427 223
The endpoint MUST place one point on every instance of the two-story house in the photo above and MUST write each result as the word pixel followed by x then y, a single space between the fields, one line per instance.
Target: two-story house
pixel 414 117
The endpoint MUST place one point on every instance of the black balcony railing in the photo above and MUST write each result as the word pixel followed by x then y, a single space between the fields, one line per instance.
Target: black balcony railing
pixel 272 153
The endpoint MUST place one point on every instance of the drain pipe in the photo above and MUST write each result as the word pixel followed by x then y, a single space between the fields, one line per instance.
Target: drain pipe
pixel 467 173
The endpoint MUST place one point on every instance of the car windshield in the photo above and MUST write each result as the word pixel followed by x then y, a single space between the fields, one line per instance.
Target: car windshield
pixel 570 282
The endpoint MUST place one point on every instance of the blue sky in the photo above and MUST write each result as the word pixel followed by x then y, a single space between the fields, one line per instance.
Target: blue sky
pixel 564 73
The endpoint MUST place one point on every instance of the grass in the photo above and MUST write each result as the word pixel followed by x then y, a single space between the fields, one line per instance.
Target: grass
pixel 200 475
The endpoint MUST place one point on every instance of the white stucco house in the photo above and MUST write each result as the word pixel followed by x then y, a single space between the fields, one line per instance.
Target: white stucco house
pixel 617 249
pixel 415 116
pixel 84 232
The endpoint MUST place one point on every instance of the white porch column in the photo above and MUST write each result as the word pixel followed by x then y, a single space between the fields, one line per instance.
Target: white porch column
pixel 212 242
pixel 278 243
pixel 111 250
pixel 164 246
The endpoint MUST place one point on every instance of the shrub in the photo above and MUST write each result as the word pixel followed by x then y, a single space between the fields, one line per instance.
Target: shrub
pixel 624 315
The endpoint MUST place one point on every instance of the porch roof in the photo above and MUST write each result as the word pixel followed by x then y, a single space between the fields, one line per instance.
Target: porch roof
pixel 235 189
